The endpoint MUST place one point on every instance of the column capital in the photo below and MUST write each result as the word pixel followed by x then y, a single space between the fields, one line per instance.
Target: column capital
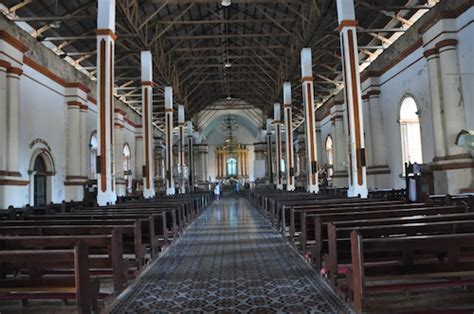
pixel 15 71
pixel 347 23
pixel 446 43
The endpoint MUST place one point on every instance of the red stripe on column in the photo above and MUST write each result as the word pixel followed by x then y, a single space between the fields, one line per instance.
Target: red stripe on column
pixel 309 92
pixel 355 101
pixel 111 104
pixel 102 121
pixel 147 140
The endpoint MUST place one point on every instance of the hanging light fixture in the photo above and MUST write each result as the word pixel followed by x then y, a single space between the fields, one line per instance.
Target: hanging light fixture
pixel 226 3
pixel 55 24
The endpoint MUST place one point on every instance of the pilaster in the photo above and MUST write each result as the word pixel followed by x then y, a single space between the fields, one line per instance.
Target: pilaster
pixel 120 183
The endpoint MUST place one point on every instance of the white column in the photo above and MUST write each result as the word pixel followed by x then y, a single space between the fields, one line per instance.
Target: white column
pixel 85 137
pixel 339 145
pixel 4 66
pixel 368 136
pixel 432 58
pixel 181 150
pixel 189 130
pixel 278 151
pixel 170 189
pixel 290 162
pixel 120 183
pixel 139 156
pixel 310 123
pixel 379 146
pixel 357 162
pixel 147 108
pixel 269 152
pixel 454 118
pixel 75 177
pixel 105 101
pixel 13 119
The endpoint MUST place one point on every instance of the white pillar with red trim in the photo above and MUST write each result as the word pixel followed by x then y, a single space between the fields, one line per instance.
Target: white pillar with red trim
pixel 290 162
pixel 312 185
pixel 170 188
pixel 181 151
pixel 278 151
pixel 355 125
pixel 106 193
pixel 147 114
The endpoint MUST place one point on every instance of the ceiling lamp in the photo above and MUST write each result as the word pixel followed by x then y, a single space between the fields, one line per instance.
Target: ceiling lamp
pixel 226 3
pixel 229 98
pixel 228 64
pixel 55 24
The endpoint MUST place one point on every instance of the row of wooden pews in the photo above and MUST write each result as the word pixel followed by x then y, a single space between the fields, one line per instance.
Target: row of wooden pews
pixel 379 245
pixel 88 253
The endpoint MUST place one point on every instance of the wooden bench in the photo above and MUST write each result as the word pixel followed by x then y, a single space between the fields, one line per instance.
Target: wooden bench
pixel 416 263
pixel 111 246
pixel 34 286
pixel 339 237
pixel 131 231
pixel 320 221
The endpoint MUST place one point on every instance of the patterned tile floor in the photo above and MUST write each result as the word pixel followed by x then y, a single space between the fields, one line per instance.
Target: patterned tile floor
pixel 230 260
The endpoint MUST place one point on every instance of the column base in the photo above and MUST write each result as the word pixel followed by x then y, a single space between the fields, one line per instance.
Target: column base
pixel 340 179
pixel 312 188
pixel 149 193
pixel 279 186
pixel 378 177
pixel 73 191
pixel 14 191
pixel 356 191
pixel 107 197
pixel 290 187
pixel 121 187
pixel 170 191
pixel 452 176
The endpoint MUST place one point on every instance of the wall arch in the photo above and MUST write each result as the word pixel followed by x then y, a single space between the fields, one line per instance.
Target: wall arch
pixel 37 180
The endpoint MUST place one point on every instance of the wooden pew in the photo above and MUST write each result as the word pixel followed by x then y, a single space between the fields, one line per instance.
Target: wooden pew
pixel 339 237
pixel 133 231
pixel 111 245
pixel 320 221
pixel 416 263
pixel 81 288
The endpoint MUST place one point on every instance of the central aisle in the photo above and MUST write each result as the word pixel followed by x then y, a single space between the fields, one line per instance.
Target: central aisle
pixel 230 259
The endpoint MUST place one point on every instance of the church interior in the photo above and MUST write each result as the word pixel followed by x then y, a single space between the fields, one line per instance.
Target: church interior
pixel 262 156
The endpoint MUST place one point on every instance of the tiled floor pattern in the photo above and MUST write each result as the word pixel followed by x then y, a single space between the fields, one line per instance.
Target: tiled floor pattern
pixel 230 260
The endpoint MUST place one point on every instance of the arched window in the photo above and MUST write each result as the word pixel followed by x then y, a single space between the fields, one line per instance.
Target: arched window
pixel 330 154
pixel 127 163
pixel 410 132
pixel 93 156
pixel 231 167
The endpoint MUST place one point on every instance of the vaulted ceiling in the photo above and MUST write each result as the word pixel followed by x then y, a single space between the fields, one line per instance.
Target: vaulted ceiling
pixel 209 52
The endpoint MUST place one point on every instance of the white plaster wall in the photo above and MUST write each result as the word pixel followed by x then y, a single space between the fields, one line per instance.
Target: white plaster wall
pixel 466 62
pixel 326 130
pixel 407 78
pixel 42 115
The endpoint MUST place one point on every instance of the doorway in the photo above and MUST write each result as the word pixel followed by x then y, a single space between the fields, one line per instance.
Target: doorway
pixel 39 182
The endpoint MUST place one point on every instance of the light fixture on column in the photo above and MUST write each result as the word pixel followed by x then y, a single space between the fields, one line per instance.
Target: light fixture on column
pixel 226 3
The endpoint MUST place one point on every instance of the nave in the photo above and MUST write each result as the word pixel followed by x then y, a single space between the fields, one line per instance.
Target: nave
pixel 230 259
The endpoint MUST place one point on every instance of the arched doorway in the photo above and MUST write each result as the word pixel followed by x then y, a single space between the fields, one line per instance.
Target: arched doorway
pixel 330 156
pixel 39 177
pixel 41 171
pixel 127 166
pixel 410 132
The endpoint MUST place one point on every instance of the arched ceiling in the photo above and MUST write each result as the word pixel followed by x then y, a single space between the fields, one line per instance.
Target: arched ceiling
pixel 191 41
